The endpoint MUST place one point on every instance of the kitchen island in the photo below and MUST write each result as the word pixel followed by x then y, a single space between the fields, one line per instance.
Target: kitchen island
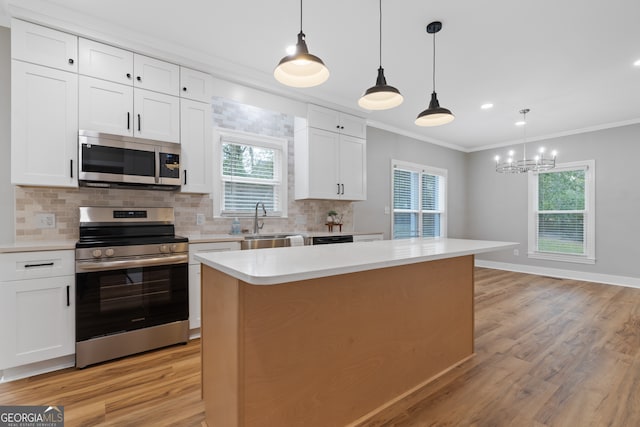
pixel 330 335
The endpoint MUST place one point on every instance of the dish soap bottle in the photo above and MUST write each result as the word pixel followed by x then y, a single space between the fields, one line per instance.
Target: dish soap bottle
pixel 235 226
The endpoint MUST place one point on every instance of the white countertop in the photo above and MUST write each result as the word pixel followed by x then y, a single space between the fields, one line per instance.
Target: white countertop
pixel 281 265
pixel 58 245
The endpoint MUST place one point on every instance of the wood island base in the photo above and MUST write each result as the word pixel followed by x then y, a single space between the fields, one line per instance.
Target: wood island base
pixel 331 351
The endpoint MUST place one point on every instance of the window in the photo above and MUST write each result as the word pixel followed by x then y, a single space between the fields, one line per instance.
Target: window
pixel 249 169
pixel 562 213
pixel 419 201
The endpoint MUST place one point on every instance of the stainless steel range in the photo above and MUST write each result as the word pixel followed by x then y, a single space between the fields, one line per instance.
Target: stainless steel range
pixel 131 283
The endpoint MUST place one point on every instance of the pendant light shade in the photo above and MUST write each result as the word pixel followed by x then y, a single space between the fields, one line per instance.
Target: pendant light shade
pixel 434 115
pixel 381 96
pixel 301 69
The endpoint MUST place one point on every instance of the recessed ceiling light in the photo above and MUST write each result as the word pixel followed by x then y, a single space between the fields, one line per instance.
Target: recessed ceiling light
pixel 521 123
pixel 486 106
pixel 637 63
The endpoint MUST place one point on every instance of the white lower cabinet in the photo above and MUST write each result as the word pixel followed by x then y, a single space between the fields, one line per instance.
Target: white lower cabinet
pixel 37 307
pixel 194 275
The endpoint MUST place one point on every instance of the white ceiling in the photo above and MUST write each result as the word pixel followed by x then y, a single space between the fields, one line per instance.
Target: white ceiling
pixel 569 61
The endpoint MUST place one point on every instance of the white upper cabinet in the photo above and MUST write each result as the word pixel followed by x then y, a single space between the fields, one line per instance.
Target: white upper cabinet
pixel 44 46
pixel 44 126
pixel 105 62
pixel 156 116
pixel 330 156
pixel 336 121
pixel 195 85
pixel 197 146
pixel 105 106
pixel 153 74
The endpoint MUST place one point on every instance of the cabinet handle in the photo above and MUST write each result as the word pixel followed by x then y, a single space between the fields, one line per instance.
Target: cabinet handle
pixel 184 89
pixel 185 177
pixel 341 127
pixel 337 126
pixel 139 78
pixel 43 264
pixel 128 120
pixel 338 188
pixel 68 301
pixel 138 122
pixel 342 188
pixel 71 61
pixel 71 168
pixel 128 75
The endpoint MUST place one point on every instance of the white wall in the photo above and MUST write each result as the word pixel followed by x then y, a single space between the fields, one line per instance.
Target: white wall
pixel 6 189
pixel 384 146
pixel 498 203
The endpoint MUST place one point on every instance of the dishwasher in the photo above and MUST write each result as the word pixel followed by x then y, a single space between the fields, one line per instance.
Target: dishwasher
pixel 327 240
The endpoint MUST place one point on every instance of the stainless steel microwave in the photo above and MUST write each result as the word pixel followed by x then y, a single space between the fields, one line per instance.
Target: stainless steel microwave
pixel 119 161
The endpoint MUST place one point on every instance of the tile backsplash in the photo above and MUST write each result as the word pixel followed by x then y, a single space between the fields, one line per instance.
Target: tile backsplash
pixel 306 215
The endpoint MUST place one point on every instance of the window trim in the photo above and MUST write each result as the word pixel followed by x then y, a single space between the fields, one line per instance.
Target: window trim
pixel 429 170
pixel 589 215
pixel 222 135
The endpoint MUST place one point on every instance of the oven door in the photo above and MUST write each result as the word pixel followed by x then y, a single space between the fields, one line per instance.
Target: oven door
pixel 125 295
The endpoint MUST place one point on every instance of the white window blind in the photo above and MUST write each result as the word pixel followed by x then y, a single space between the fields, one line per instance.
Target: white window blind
pixel 252 169
pixel 418 201
pixel 562 214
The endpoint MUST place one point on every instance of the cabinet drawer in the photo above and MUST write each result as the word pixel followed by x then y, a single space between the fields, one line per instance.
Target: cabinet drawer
pixel 31 265
pixel 195 85
pixel 105 62
pixel 199 248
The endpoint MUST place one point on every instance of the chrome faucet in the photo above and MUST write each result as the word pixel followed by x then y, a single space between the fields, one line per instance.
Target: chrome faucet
pixel 256 227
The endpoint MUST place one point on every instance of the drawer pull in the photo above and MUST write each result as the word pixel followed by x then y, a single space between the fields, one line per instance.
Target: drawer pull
pixel 68 302
pixel 44 264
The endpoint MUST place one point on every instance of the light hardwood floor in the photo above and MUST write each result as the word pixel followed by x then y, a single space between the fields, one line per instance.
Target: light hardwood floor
pixel 549 353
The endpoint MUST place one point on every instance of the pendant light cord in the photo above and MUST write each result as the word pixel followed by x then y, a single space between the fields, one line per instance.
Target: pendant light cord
pixel 524 135
pixel 300 15
pixel 380 33
pixel 434 62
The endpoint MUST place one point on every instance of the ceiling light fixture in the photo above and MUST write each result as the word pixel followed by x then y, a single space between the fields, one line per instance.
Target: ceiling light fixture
pixel 434 115
pixel 537 164
pixel 381 96
pixel 301 69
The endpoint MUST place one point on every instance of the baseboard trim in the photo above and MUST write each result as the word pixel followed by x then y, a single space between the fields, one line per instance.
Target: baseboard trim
pixel 607 279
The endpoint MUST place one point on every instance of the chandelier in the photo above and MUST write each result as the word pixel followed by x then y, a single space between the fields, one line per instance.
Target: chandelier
pixel 536 164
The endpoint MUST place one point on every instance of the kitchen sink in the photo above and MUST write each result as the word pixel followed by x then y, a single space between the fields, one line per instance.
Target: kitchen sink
pixel 263 241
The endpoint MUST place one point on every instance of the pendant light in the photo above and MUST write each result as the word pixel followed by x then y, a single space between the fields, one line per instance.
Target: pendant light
pixel 434 115
pixel 301 69
pixel 538 163
pixel 381 96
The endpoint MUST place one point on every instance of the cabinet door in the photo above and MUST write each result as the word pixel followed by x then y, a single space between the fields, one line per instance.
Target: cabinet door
pixel 195 85
pixel 44 126
pixel 105 106
pixel 353 125
pixel 105 62
pixel 197 146
pixel 323 164
pixel 323 118
pixel 157 116
pixel 37 320
pixel 156 75
pixel 353 164
pixel 44 46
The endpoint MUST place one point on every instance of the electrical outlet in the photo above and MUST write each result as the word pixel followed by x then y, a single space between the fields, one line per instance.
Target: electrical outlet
pixel 45 220
pixel 200 219
pixel 516 252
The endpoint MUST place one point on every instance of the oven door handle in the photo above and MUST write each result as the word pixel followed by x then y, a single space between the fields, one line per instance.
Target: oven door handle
pixel 88 266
